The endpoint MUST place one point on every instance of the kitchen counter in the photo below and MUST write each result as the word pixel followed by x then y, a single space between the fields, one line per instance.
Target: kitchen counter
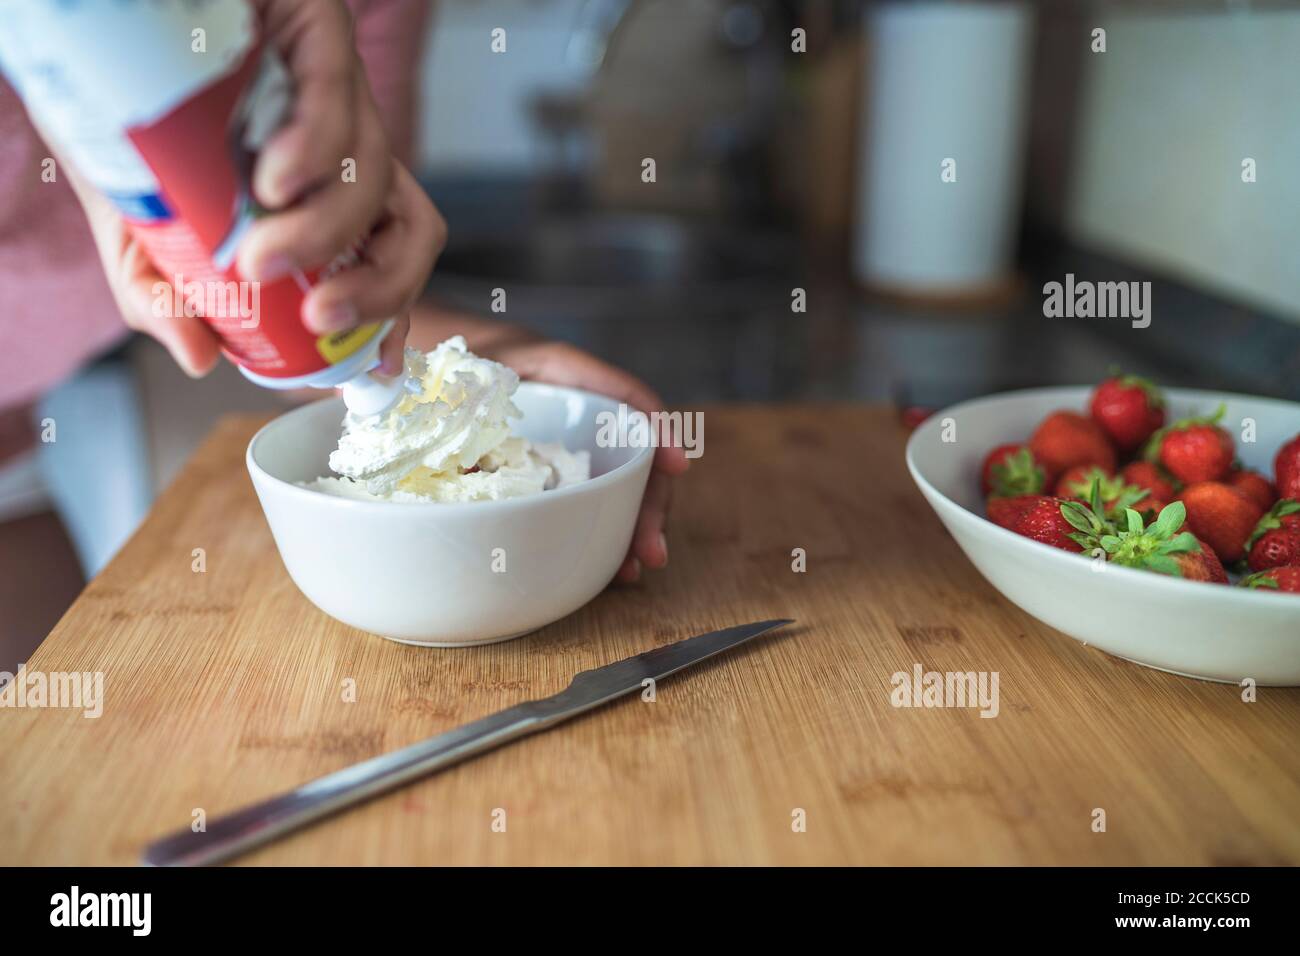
pixel 224 686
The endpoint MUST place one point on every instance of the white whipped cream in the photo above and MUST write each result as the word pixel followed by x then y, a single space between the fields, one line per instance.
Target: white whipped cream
pixel 448 439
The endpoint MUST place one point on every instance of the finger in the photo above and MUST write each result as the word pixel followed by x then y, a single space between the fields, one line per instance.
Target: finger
pixel 398 258
pixel 671 460
pixel 392 357
pixel 148 301
pixel 145 299
pixel 583 370
pixel 315 39
pixel 562 364
pixel 310 234
pixel 629 571
pixel 649 544
pixel 599 376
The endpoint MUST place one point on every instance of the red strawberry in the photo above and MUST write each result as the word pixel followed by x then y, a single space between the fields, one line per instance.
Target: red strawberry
pixel 1275 541
pixel 1286 469
pixel 1202 565
pixel 1005 512
pixel 1010 470
pixel 1114 494
pixel 1275 549
pixel 1077 480
pixel 1194 449
pixel 1254 485
pixel 1275 579
pixel 1065 439
pixel 1044 522
pixel 1129 408
pixel 1159 546
pixel 913 415
pixel 1143 474
pixel 1222 516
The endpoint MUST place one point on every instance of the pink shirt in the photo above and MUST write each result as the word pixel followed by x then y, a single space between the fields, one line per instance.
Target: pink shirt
pixel 56 312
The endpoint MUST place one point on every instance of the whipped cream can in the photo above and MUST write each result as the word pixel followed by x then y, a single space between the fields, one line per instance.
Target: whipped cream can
pixel 162 106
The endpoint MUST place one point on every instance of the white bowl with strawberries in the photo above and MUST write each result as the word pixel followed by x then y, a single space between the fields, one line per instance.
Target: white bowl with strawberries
pixel 1163 528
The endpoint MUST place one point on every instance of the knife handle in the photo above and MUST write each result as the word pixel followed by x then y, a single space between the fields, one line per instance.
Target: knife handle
pixel 262 822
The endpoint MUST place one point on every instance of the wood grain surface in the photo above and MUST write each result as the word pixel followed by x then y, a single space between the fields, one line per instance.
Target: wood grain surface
pixel 227 686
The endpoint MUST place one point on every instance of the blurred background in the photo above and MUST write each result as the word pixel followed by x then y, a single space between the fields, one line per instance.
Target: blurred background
pixel 851 201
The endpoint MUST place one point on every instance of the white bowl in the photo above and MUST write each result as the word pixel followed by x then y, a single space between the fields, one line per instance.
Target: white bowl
pixel 1186 627
pixel 424 573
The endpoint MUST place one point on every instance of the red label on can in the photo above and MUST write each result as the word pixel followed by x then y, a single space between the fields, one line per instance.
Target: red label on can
pixel 202 156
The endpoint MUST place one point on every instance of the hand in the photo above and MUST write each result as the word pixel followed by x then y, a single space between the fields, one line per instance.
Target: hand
pixel 318 215
pixel 563 364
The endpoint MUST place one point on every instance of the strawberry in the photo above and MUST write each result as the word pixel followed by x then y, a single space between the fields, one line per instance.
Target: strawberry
pixel 1076 481
pixel 1005 512
pixel 913 415
pixel 1159 547
pixel 1286 469
pixel 1010 470
pixel 1116 494
pixel 1221 515
pixel 1193 449
pixel 1275 579
pixel 1129 408
pixel 1275 549
pixel 1065 439
pixel 1202 565
pixel 1275 542
pixel 1045 521
pixel 1254 485
pixel 1146 475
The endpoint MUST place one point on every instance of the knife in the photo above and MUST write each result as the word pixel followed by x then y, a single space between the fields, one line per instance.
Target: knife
pixel 263 822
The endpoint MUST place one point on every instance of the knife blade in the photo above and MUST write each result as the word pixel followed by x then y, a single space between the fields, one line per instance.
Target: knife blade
pixel 263 822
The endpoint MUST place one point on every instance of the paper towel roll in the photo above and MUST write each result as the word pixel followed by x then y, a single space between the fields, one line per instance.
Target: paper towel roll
pixel 945 99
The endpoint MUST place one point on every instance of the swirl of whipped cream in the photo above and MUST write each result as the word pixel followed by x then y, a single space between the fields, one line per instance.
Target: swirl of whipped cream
pixel 454 412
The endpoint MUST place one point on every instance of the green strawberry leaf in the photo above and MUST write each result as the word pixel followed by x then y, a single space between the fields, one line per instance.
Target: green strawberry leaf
pixel 1185 543
pixel 1153 548
pixel 1171 518
pixel 1261 579
pixel 1077 516
pixel 1130 496
pixel 1164 564
pixel 1094 497
pixel 1084 541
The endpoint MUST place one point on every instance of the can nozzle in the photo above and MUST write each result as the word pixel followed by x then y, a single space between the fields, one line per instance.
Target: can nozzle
pixel 367 395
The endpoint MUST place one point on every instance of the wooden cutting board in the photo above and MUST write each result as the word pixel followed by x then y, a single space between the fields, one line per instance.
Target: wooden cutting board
pixel 227 686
